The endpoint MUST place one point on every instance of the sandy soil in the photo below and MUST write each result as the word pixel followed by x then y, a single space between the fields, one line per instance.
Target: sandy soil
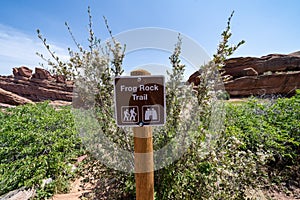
pixel 75 193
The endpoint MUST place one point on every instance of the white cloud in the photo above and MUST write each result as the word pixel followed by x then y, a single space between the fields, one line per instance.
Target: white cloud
pixel 17 49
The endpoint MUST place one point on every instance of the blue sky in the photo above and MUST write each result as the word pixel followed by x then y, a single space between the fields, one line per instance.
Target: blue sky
pixel 267 26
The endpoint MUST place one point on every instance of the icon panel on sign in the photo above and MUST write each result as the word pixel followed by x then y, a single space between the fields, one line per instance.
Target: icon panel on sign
pixel 151 113
pixel 130 114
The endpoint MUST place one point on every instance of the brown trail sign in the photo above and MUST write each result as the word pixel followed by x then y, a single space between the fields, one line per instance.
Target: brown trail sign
pixel 140 103
pixel 140 100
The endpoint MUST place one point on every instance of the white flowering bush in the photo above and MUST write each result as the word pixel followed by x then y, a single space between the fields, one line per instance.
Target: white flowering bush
pixel 214 165
pixel 225 170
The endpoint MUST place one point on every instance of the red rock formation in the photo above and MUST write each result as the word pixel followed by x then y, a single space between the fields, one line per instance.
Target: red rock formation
pixel 269 63
pixel 271 74
pixel 60 79
pixel 42 74
pixel 282 83
pixel 38 87
pixel 22 71
pixel 12 99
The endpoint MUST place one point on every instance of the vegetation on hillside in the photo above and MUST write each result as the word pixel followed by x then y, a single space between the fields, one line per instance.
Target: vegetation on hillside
pixel 37 143
pixel 260 148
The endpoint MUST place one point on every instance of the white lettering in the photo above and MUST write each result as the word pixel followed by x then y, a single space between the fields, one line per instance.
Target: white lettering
pixel 148 88
pixel 143 97
pixel 128 88
pixel 142 88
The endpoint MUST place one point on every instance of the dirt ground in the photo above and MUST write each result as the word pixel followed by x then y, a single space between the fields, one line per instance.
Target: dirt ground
pixel 281 196
pixel 75 193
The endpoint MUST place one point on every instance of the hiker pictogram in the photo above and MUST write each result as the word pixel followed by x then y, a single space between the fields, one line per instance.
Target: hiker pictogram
pixel 130 114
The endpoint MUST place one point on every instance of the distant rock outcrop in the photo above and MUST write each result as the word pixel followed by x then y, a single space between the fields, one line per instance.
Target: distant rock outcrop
pixel 12 99
pixel 22 72
pixel 271 74
pixel 24 87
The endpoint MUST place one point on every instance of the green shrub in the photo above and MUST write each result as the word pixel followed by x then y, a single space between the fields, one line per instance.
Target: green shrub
pixel 272 124
pixel 37 142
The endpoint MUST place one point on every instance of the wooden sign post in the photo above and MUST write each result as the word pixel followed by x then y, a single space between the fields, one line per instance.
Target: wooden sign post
pixel 143 156
pixel 140 103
